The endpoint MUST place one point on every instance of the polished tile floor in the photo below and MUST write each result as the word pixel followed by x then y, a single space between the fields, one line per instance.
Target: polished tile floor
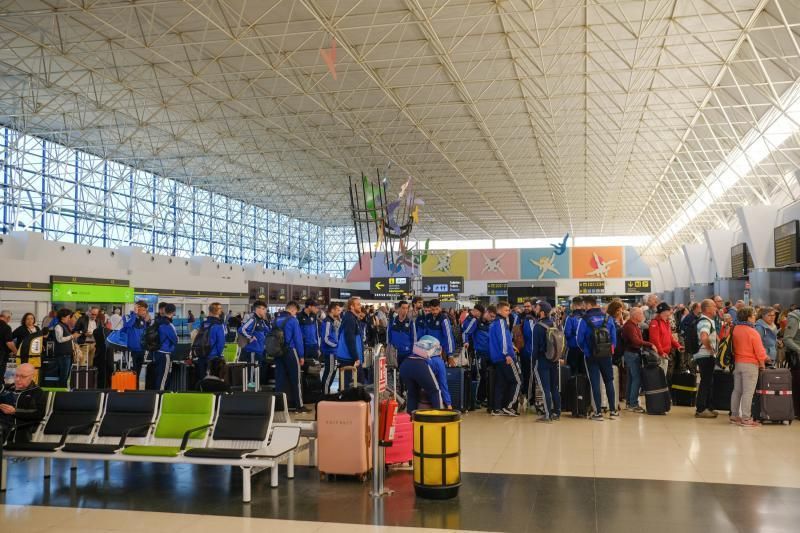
pixel 638 472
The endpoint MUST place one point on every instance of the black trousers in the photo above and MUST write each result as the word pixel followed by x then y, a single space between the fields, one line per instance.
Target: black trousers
pixel 705 367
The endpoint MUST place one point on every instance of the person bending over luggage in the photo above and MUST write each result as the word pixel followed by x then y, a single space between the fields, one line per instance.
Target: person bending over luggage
pixel 168 337
pixel 288 367
pixel 438 326
pixel 480 341
pixel 418 376
pixel 350 346
pixel 255 330
pixel 597 338
pixel 440 371
pixel 22 406
pixel 215 380
pixel 402 332
pixel 504 360
pixel 547 340
pixel 330 342
pixel 134 326
pixel 749 357
pixel 574 354
pixel 309 325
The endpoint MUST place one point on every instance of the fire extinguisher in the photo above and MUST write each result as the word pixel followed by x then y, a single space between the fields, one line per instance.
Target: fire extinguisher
pixel 387 413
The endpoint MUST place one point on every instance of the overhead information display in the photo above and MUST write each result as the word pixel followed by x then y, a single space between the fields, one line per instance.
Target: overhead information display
pixel 741 260
pixel 496 289
pixel 443 284
pixel 389 287
pixel 786 245
pixel 637 286
pixel 591 287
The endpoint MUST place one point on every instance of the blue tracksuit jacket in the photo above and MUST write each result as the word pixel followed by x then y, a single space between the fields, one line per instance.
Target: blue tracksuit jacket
pixel 309 325
pixel 293 337
pixel 500 342
pixel 351 341
pixel 571 328
pixel 528 327
pixel 330 336
pixel 440 371
pixel 167 335
pixel 216 336
pixel 402 335
pixel 539 339
pixel 480 339
pixel 440 328
pixel 257 329
pixel 468 329
pixel 584 333
pixel 134 328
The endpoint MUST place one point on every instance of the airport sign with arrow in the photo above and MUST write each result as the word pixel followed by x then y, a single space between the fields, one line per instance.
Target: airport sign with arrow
pixel 389 287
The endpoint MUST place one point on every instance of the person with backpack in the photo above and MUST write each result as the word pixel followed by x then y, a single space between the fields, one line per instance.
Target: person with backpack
pixel 289 365
pixel 504 359
pixel 209 343
pixel 350 347
pixel 705 358
pixel 255 330
pixel 548 349
pixel 688 329
pixel 165 343
pixel 134 326
pixel 574 354
pixel 330 342
pixel 597 338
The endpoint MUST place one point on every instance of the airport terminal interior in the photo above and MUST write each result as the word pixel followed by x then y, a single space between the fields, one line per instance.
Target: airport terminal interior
pixel 400 265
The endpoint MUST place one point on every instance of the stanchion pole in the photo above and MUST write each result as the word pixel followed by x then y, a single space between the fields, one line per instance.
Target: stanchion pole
pixel 378 490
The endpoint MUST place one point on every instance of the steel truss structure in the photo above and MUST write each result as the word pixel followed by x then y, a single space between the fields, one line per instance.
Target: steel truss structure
pixel 518 118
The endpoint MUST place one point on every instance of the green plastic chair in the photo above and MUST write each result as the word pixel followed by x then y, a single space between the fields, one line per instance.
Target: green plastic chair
pixel 183 423
pixel 230 352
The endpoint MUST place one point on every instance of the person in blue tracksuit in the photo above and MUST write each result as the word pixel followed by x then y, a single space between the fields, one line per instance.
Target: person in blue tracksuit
pixel 402 332
pixel 330 343
pixel 595 367
pixel 504 359
pixel 480 341
pixel 440 371
pixel 162 358
pixel 418 313
pixel 134 326
pixel 526 357
pixel 289 366
pixel 350 348
pixel 471 324
pixel 216 339
pixel 574 353
pixel 438 326
pixel 514 317
pixel 309 325
pixel 418 376
pixel 546 371
pixel 256 330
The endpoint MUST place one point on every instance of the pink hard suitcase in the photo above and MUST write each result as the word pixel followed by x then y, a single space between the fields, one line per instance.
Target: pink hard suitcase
pixel 343 438
pixel 402 447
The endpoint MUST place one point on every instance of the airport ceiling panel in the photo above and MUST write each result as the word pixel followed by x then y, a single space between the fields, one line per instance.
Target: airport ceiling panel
pixel 517 118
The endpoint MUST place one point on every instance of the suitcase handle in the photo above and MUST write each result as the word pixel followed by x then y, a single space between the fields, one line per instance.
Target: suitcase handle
pixel 353 370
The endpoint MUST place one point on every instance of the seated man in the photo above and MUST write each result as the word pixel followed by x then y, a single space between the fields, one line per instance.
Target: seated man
pixel 21 405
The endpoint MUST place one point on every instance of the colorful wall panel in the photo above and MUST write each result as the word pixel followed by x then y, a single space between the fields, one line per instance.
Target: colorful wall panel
pixel 543 263
pixel 446 263
pixel 494 264
pixel 361 273
pixel 380 270
pixel 598 262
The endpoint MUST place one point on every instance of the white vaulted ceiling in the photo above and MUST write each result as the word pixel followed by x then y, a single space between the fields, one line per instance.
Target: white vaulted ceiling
pixel 516 118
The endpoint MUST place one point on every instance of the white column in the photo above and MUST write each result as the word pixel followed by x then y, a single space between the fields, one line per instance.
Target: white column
pixel 698 258
pixel 658 282
pixel 667 277
pixel 757 223
pixel 719 244
pixel 680 269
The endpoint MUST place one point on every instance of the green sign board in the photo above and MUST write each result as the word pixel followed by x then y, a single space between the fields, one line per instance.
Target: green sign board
pixel 76 292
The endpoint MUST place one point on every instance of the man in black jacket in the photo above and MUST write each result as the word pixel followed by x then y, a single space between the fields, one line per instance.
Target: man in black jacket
pixel 21 405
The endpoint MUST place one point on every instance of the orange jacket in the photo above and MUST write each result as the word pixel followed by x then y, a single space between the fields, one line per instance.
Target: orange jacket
pixel 747 345
pixel 661 337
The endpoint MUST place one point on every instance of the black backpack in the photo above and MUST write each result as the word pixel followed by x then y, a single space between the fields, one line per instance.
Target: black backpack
pixel 691 341
pixel 601 339
pixel 201 345
pixel 151 341
pixel 275 342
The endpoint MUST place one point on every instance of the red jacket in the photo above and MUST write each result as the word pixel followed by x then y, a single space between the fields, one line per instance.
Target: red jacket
pixel 661 337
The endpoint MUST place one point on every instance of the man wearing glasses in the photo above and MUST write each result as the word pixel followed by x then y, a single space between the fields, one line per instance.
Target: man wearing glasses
pixel 23 403
pixel 86 326
pixel 7 347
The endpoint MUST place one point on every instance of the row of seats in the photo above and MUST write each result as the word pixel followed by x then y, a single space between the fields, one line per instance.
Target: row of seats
pixel 234 429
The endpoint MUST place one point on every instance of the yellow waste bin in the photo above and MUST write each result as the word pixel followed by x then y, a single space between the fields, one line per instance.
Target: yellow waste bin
pixel 437 453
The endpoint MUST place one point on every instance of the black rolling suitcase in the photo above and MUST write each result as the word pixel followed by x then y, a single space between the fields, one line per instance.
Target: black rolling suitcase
pixel 83 378
pixel 578 396
pixel 656 392
pixel 772 401
pixel 722 390
pixel 457 387
pixel 183 376
pixel 48 373
pixel 684 388
pixel 313 390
